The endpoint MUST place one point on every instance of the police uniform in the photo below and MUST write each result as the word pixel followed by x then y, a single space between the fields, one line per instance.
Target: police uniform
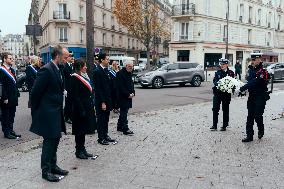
pixel 221 97
pixel 257 81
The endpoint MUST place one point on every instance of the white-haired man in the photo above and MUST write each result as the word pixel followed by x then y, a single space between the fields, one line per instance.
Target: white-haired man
pixel 125 93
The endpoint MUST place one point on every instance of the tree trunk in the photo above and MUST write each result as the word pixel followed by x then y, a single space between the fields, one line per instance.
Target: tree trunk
pixel 148 66
pixel 90 36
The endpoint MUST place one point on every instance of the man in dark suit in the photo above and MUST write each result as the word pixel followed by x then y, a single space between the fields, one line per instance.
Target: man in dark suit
pixel 67 71
pixel 103 100
pixel 10 94
pixel 47 112
pixel 125 93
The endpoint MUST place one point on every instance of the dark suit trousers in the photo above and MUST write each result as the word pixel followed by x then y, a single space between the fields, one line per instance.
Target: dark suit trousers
pixel 48 156
pixel 68 107
pixel 7 121
pixel 80 142
pixel 102 122
pixel 122 121
pixel 217 100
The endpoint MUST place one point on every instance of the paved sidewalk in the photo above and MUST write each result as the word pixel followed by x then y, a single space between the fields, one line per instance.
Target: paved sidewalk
pixel 171 148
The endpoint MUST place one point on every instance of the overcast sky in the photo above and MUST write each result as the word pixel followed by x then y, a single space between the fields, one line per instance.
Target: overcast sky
pixel 14 16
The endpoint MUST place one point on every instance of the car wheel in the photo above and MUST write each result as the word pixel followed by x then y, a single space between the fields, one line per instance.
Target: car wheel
pixel 24 87
pixel 196 81
pixel 157 83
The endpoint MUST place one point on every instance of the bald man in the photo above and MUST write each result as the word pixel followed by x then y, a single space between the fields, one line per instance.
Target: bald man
pixel 47 112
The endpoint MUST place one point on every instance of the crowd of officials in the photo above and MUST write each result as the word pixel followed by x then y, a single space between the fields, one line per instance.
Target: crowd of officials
pixel 88 102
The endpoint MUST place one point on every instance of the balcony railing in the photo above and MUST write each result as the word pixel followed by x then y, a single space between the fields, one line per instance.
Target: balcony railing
pixel 183 9
pixel 61 15
pixel 63 40
pixel 183 37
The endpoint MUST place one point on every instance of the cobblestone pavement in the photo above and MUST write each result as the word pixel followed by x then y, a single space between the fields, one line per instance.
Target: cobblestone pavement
pixel 172 148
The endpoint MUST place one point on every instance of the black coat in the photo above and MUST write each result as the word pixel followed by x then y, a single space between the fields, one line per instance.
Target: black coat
pixel 113 86
pixel 47 103
pixel 125 87
pixel 102 85
pixel 9 89
pixel 83 114
pixel 67 71
pixel 30 76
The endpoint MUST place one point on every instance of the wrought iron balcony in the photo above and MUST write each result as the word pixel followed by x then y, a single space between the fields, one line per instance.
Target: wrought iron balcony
pixel 183 9
pixel 61 15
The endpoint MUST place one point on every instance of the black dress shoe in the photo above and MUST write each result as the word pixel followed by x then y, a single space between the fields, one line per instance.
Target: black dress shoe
pixel 223 129
pixel 108 139
pixel 87 154
pixel 81 155
pixel 50 177
pixel 103 142
pixel 247 139
pixel 128 132
pixel 119 129
pixel 57 170
pixel 213 128
pixel 14 134
pixel 9 136
pixel 260 136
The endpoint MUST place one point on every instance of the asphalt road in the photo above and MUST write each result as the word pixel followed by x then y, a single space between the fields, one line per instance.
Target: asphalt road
pixel 145 100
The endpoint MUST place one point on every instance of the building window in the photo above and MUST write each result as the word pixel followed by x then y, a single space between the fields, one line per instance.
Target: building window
pixel 81 35
pixel 104 3
pixel 278 25
pixel 112 40
pixel 133 45
pixel 128 43
pixel 241 12
pixel 120 41
pixel 249 36
pixel 225 33
pixel 62 10
pixel 184 31
pixel 104 38
pixel 259 17
pixel 183 55
pixel 268 39
pixel 137 44
pixel 81 13
pixel 104 17
pixel 112 23
pixel 269 19
pixel 63 34
pixel 250 15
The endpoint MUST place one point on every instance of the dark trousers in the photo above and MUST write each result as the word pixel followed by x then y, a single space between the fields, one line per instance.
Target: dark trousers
pixel 68 107
pixel 102 122
pixel 217 100
pixel 238 73
pixel 48 156
pixel 255 106
pixel 7 121
pixel 122 120
pixel 80 142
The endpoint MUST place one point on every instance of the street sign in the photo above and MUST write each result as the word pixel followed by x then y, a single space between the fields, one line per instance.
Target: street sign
pixel 34 30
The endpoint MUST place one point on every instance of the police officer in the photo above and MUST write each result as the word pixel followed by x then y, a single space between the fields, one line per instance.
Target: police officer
pixel 257 81
pixel 221 97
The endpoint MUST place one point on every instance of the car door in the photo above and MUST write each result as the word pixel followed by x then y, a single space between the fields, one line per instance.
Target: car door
pixel 277 71
pixel 184 72
pixel 171 73
pixel 281 70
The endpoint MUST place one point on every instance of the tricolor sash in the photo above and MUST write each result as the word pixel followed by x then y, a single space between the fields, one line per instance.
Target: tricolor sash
pixel 84 81
pixel 112 72
pixel 35 71
pixel 8 73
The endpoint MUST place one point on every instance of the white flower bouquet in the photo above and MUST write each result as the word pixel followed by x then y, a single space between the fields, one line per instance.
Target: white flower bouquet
pixel 229 85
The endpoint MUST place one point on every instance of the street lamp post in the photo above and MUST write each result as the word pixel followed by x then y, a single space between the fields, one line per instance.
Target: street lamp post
pixel 227 30
pixel 90 35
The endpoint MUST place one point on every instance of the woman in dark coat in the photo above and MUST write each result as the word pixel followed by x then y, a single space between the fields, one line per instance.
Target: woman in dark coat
pixel 83 113
pixel 113 71
pixel 31 72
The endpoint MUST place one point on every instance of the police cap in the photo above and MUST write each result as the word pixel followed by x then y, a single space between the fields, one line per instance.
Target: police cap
pixel 255 55
pixel 223 61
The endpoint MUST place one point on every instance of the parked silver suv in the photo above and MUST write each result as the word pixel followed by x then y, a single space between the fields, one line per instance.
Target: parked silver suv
pixel 174 73
pixel 277 70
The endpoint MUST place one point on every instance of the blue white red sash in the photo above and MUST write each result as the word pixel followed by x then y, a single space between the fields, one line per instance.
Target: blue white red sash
pixel 8 73
pixel 112 72
pixel 84 81
pixel 35 71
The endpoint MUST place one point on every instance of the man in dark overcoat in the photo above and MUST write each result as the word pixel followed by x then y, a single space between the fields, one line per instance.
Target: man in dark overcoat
pixel 125 93
pixel 47 112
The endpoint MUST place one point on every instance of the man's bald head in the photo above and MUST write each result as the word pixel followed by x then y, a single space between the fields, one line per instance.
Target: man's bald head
pixel 65 55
